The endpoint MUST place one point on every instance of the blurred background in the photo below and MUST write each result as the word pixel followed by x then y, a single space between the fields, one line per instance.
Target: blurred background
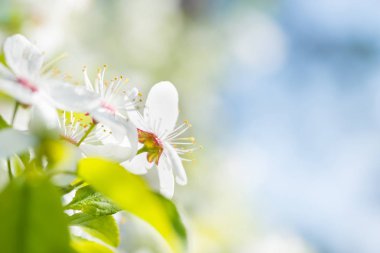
pixel 284 96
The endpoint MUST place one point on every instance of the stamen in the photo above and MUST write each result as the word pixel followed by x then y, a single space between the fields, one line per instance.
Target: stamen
pixel 178 131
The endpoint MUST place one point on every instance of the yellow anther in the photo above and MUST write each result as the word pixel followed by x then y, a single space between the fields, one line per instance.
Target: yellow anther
pixel 187 123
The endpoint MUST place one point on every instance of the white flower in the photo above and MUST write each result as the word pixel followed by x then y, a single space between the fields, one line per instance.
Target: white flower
pixel 24 82
pixel 115 103
pixel 159 138
pixel 13 141
pixel 96 143
pixel 115 99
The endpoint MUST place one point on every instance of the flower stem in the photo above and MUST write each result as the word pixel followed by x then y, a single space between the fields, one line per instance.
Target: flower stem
pixel 9 169
pixel 14 112
pixel 72 186
pixel 10 174
pixel 86 134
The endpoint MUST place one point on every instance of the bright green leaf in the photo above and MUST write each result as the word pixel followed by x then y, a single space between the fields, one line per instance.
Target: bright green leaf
pixel 32 218
pixel 3 123
pixel 131 193
pixel 60 154
pixel 84 246
pixel 90 202
pixel 104 228
pixel 79 218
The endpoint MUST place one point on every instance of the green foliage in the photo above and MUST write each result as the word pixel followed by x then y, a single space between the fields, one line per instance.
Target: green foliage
pixel 32 218
pixel 10 17
pixel 3 123
pixel 95 214
pixel 91 202
pixel 131 193
pixel 84 246
pixel 17 165
pixel 104 228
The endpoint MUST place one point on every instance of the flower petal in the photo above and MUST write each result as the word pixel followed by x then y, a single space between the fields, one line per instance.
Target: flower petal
pixel 137 119
pixel 176 163
pixel 69 97
pixel 165 175
pixel 44 117
pixel 13 142
pixel 120 128
pixel 24 58
pixel 138 165
pixel 110 151
pixel 161 108
pixel 6 73
pixel 21 94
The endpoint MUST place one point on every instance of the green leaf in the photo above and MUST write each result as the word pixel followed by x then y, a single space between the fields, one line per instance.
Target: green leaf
pixel 131 193
pixel 79 218
pixel 18 166
pixel 3 123
pixel 90 202
pixel 84 246
pixel 104 228
pixel 32 218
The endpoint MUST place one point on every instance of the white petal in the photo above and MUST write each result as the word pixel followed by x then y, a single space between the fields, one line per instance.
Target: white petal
pixel 176 163
pixel 44 117
pixel 13 142
pixel 132 135
pixel 110 151
pixel 69 97
pixel 161 107
pixel 24 58
pixel 138 165
pixel 21 94
pixel 6 73
pixel 133 94
pixel 137 119
pixel 166 178
pixel 127 148
pixel 120 128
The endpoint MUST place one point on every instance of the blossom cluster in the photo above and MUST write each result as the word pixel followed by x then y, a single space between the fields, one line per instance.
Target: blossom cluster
pixel 139 137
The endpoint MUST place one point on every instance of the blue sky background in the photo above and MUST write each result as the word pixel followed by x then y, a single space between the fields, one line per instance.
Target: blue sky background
pixel 309 121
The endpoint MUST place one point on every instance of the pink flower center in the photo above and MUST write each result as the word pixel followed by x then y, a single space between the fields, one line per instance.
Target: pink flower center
pixel 26 84
pixel 108 107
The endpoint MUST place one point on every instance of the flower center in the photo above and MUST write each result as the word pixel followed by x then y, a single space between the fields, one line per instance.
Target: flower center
pixel 26 84
pixel 152 146
pixel 71 140
pixel 108 107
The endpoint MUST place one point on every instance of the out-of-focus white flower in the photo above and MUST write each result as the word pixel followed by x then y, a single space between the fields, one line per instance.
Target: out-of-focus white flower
pixel 96 143
pixel 159 138
pixel 115 103
pixel 13 141
pixel 23 80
